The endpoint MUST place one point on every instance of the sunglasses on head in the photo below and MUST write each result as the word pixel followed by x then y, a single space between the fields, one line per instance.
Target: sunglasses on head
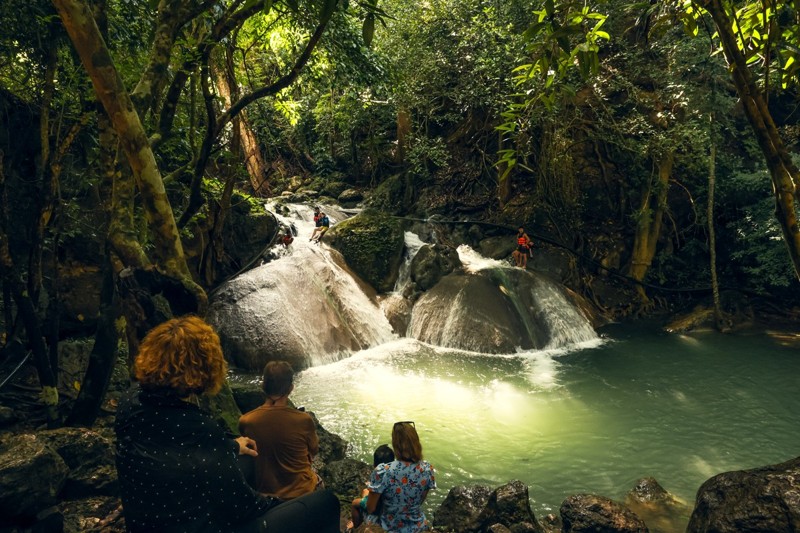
pixel 405 422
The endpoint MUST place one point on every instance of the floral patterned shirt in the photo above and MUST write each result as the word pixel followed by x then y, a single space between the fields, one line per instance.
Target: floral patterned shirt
pixel 403 487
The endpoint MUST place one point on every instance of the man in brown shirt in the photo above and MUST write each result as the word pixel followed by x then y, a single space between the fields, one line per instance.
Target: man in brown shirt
pixel 286 438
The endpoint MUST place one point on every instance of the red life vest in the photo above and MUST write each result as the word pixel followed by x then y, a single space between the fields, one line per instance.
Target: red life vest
pixel 522 241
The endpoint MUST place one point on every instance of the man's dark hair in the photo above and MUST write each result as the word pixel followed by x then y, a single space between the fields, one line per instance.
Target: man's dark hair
pixel 278 379
pixel 383 454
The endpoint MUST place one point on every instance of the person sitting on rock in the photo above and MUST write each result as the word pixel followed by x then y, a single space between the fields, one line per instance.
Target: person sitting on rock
pixel 402 485
pixel 286 437
pixel 383 454
pixel 177 468
pixel 322 226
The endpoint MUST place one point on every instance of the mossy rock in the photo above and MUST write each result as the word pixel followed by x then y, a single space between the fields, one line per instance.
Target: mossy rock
pixel 395 195
pixel 372 245
pixel 223 408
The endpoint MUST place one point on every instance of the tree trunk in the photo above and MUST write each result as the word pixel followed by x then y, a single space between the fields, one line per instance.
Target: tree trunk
pixel 712 239
pixel 247 141
pixel 648 226
pixel 103 356
pixel 784 174
pixel 27 310
pixel 109 88
pixel 403 132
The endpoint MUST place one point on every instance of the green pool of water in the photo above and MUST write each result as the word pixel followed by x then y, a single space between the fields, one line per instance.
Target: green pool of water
pixel 594 419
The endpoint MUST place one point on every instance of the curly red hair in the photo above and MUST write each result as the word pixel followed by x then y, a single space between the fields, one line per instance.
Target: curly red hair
pixel 183 354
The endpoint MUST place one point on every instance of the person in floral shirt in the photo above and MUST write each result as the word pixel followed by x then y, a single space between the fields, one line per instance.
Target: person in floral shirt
pixel 401 486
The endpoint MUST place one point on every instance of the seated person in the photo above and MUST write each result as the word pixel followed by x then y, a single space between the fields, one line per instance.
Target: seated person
pixel 177 468
pixel 323 223
pixel 287 438
pixel 383 454
pixel 402 485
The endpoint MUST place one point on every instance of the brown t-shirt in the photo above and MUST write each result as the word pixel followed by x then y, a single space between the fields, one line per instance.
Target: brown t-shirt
pixel 287 441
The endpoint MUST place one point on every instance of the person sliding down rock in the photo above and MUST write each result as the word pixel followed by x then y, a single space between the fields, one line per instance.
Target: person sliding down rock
pixel 322 226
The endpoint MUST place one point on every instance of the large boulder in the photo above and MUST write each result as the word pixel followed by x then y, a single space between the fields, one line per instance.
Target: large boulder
pixel 372 245
pixel 304 309
pixel 478 508
pixel 31 474
pixel 765 499
pixel 498 310
pixel 587 513
pixel 431 263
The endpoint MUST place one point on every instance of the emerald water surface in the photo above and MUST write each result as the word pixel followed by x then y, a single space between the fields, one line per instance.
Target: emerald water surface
pixel 595 419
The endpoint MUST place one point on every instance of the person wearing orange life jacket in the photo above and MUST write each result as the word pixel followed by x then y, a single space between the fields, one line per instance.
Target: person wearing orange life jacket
pixel 524 244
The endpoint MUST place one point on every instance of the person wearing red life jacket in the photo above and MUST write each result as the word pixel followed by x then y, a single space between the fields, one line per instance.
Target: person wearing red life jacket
pixel 524 244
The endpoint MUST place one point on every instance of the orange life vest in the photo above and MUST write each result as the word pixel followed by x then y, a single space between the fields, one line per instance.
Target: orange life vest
pixel 522 241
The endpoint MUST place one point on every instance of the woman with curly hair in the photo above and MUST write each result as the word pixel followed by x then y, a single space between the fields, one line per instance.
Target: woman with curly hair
pixel 177 468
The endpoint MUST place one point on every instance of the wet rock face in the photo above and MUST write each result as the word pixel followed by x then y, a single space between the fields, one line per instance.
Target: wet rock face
pixel 431 263
pixel 299 309
pixel 763 499
pixel 590 513
pixel 482 313
pixel 478 508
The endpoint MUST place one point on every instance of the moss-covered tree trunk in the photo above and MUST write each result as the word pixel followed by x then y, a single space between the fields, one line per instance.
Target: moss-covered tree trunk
pixel 784 174
pixel 649 220
pixel 167 247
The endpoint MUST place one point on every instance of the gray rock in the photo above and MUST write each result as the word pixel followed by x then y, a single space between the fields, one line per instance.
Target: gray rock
pixel 332 447
pixel 765 499
pixel 511 506
pixel 31 474
pixel 350 197
pixel 346 477
pixel 589 513
pixel 7 416
pixel 497 247
pixel 478 508
pixel 90 459
pixel 247 395
pixel 463 509
pixel 648 490
pixel 659 509
pixel 431 263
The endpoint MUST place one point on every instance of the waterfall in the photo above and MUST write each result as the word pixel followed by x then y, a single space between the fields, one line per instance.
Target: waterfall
pixel 304 305
pixel 495 308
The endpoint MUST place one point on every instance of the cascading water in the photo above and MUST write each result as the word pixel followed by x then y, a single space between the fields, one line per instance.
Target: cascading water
pixel 496 308
pixel 303 306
